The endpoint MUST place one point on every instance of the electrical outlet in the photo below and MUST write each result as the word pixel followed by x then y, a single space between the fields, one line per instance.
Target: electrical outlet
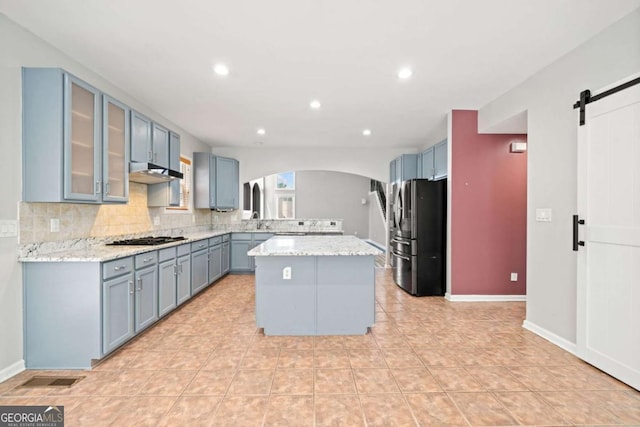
pixel 514 277
pixel 286 273
pixel 54 225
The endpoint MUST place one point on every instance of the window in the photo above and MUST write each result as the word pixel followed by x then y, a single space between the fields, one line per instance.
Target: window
pixel 286 207
pixel 185 187
pixel 286 181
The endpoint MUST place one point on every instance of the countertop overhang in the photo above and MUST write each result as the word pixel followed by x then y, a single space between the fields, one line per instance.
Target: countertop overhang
pixel 314 246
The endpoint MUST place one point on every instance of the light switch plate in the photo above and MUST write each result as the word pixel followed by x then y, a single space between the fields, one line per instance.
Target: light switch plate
pixel 8 228
pixel 543 214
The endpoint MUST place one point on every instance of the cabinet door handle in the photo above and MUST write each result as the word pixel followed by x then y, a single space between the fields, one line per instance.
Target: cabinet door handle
pixel 119 267
pixel 139 288
pixel 130 287
pixel 180 268
pixel 175 270
pixel 107 188
pixel 147 259
pixel 150 157
pixel 201 245
pixel 98 187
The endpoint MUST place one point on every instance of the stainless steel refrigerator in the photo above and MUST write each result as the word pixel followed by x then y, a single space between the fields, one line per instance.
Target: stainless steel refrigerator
pixel 418 245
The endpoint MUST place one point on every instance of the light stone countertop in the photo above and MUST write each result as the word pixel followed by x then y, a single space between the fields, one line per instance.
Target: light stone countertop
pixel 314 246
pixel 100 253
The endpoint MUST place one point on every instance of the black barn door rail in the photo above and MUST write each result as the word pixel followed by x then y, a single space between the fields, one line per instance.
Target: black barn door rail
pixel 586 98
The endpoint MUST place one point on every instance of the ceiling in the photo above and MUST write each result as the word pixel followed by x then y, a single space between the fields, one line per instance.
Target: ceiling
pixel 345 53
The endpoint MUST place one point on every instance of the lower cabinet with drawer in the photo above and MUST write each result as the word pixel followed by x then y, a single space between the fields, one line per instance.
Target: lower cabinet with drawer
pixel 241 243
pixel 75 313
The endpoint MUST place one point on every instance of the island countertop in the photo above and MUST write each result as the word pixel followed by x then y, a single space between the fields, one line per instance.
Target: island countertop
pixel 314 246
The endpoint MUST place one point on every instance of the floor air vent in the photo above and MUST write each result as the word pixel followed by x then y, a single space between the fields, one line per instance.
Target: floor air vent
pixel 51 381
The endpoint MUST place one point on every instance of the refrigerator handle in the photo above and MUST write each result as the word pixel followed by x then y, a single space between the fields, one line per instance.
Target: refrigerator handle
pixel 402 257
pixel 402 243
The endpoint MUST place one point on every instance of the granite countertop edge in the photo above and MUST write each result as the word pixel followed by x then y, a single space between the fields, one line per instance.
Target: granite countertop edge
pixel 314 246
pixel 102 253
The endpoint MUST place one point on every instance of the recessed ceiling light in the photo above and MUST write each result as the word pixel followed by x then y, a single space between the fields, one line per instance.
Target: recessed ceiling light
pixel 366 132
pixel 315 104
pixel 221 70
pixel 261 131
pixel 404 73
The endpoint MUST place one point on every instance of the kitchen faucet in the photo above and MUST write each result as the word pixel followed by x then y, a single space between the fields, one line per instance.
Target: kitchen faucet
pixel 256 215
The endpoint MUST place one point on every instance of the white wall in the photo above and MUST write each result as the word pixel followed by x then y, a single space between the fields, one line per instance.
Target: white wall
pixel 377 226
pixel 548 97
pixel 334 195
pixel 19 48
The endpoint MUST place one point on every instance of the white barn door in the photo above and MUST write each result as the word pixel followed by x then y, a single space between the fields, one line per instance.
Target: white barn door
pixel 608 305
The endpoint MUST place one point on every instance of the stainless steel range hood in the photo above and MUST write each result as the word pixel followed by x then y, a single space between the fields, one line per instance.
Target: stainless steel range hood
pixel 148 173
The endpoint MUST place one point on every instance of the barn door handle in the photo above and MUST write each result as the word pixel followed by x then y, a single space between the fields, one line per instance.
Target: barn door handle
pixel 576 223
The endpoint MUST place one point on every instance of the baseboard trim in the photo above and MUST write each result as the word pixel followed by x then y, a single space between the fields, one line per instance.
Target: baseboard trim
pixel 484 298
pixel 550 336
pixel 12 370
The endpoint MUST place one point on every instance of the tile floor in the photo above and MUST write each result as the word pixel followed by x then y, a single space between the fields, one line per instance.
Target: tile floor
pixel 426 362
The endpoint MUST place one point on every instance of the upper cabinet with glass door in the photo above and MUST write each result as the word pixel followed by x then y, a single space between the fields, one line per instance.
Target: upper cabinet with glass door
pixel 115 149
pixel 64 127
pixel 82 138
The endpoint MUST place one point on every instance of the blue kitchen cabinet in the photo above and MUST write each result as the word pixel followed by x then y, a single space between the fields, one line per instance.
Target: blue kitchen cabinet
pixel 115 150
pixel 150 142
pixel 241 243
pixel 199 266
pixel 403 167
pixel 174 151
pixel 74 140
pixel 226 254
pixel 433 162
pixel 441 160
pixel 215 258
pixel 427 169
pixel 141 148
pixel 216 182
pixel 184 278
pixel 146 290
pixel 160 145
pixel 117 304
pixel 167 281
pixel 227 183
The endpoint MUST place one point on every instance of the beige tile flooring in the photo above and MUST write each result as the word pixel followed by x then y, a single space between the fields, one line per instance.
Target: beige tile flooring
pixel 426 362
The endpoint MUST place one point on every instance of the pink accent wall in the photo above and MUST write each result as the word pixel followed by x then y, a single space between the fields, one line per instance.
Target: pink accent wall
pixel 488 210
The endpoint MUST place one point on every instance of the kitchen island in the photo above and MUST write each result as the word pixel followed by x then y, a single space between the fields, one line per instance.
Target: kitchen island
pixel 315 285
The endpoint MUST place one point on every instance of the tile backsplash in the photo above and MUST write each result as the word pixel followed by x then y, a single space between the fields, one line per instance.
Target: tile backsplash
pixel 78 221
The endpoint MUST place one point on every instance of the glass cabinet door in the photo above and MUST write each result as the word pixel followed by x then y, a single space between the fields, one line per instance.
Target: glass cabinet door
pixel 81 141
pixel 115 146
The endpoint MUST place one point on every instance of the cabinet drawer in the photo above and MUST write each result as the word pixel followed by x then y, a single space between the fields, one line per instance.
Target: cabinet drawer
pixel 215 240
pixel 146 259
pixel 166 254
pixel 117 267
pixel 200 244
pixel 184 250
pixel 225 237
pixel 241 236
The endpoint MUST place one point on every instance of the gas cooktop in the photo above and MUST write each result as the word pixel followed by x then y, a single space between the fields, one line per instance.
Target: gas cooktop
pixel 146 241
